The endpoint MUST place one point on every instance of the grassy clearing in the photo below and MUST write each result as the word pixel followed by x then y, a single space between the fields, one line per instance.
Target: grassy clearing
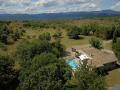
pixel 113 78
pixel 71 42
pixel 108 46
pixel 64 40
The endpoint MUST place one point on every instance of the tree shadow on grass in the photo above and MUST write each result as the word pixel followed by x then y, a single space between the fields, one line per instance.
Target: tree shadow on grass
pixel 77 38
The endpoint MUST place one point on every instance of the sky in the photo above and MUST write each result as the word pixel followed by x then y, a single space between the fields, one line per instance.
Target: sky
pixel 56 6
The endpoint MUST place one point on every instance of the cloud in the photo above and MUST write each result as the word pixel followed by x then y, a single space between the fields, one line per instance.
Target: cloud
pixel 116 6
pixel 48 6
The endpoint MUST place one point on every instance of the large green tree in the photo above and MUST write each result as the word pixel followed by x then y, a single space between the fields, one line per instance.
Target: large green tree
pixel 58 49
pixel 88 79
pixel 74 32
pixel 44 72
pixel 8 76
pixel 28 50
pixel 116 48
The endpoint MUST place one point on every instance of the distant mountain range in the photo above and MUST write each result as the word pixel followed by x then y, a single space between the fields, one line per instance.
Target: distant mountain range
pixel 67 15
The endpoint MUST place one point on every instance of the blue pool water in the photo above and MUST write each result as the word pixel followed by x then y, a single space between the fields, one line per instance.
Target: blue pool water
pixel 72 64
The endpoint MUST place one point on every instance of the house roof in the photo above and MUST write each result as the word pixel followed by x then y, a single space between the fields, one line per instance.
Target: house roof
pixel 99 57
pixel 83 57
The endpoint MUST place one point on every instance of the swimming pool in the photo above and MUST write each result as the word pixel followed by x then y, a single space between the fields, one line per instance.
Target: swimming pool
pixel 72 64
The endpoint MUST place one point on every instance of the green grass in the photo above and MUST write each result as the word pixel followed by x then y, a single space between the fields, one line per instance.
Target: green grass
pixel 113 78
pixel 64 40
pixel 71 42
pixel 108 46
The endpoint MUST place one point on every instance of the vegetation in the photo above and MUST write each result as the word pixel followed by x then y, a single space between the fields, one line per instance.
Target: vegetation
pixel 74 33
pixel 44 72
pixel 116 42
pixel 77 54
pixel 8 36
pixel 116 48
pixel 8 76
pixel 116 34
pixel 88 79
pixel 95 42
pixel 57 35
pixel 28 50
pixel 45 36
pixel 37 48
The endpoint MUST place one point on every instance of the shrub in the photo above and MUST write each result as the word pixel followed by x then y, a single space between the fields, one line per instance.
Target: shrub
pixel 74 33
pixel 45 36
pixel 57 35
pixel 95 42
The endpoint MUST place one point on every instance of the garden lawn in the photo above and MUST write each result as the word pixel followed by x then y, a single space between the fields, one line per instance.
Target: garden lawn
pixel 113 78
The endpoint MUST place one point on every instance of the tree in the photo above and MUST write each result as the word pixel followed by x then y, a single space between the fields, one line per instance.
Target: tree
pixel 44 72
pixel 27 51
pixel 116 33
pixel 108 32
pixel 7 35
pixel 88 79
pixel 74 32
pixel 58 48
pixel 93 27
pixel 115 36
pixel 105 32
pixel 17 35
pixel 116 48
pixel 8 76
pixel 95 42
pixel 4 38
pixel 45 36
pixel 86 30
pixel 57 35
pixel 4 32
